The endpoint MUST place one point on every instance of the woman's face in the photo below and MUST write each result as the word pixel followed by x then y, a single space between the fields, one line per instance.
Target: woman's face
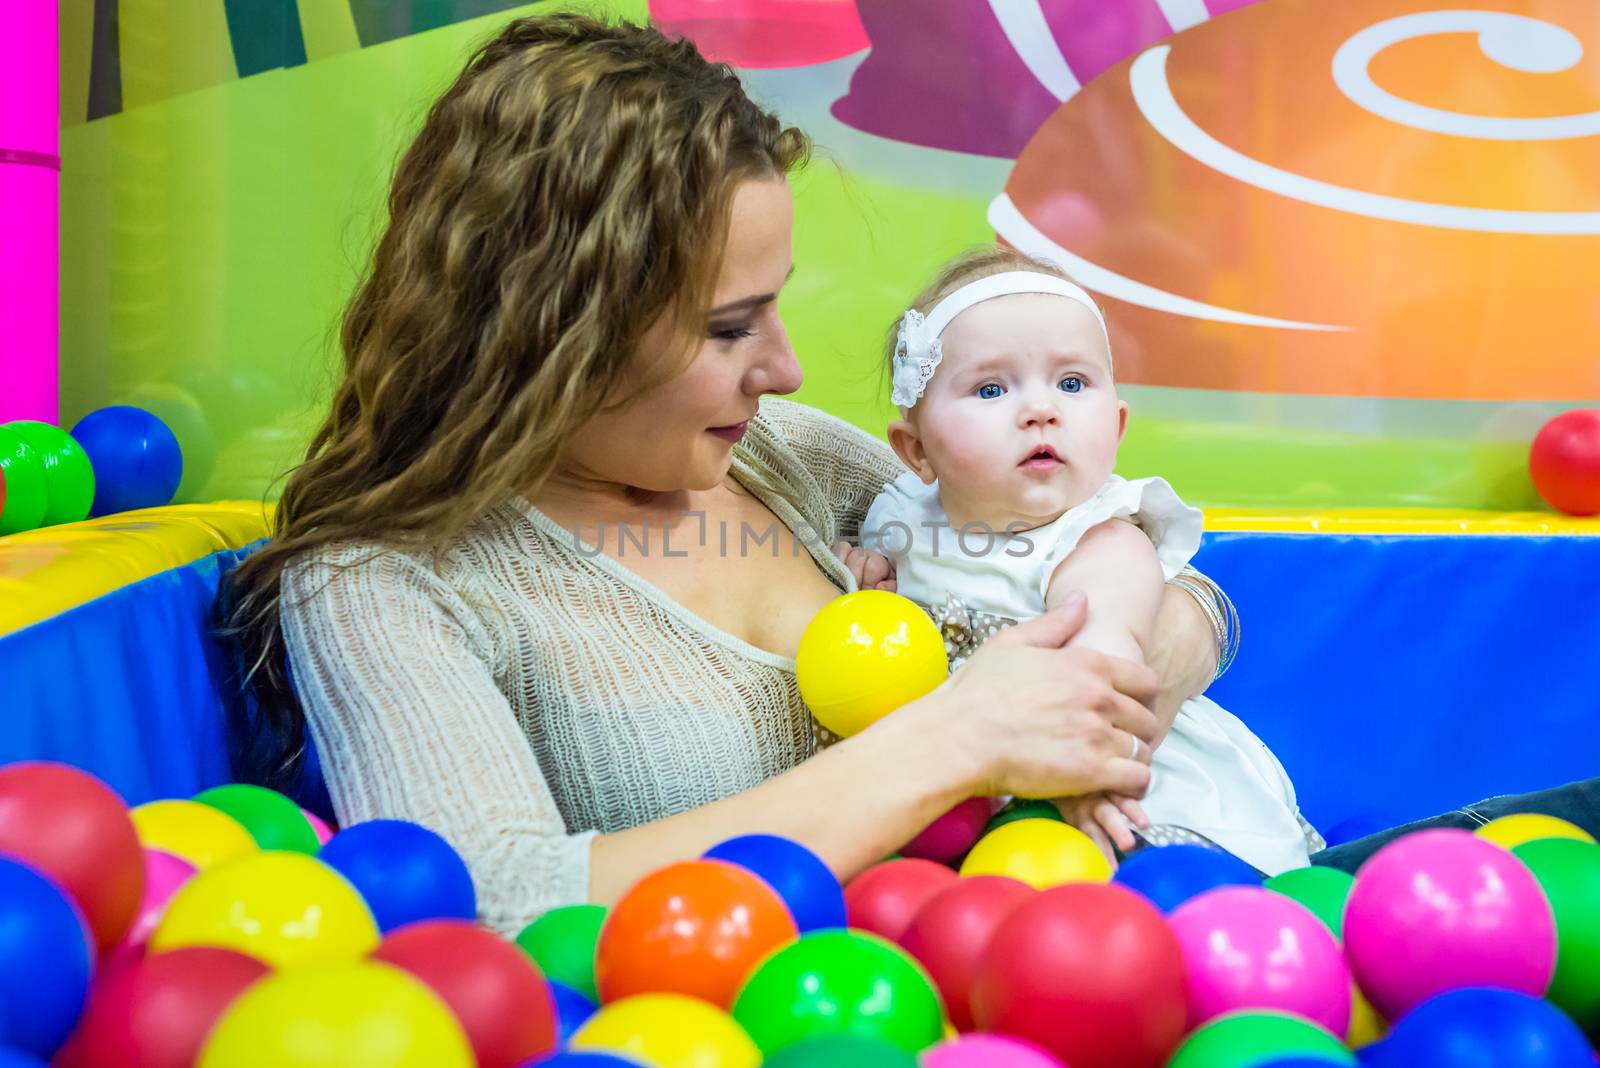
pixel 680 434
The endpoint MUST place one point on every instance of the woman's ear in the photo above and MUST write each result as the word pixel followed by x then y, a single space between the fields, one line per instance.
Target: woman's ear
pixel 907 444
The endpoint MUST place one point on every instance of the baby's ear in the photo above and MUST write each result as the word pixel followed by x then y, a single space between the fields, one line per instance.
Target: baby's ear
pixel 907 444
pixel 1122 420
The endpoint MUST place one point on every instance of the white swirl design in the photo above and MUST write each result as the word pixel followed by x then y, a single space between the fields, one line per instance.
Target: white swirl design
pixel 1025 27
pixel 1513 41
pixel 1152 93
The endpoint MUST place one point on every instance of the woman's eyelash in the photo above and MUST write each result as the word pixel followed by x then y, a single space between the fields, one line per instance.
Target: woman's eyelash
pixel 731 333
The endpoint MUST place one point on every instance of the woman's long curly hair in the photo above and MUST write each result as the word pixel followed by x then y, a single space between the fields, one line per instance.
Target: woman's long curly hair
pixel 571 188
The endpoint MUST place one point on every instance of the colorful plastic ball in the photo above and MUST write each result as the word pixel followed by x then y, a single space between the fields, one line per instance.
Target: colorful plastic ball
pixel 1171 875
pixel 696 928
pixel 562 943
pixel 74 828
pixel 884 898
pixel 46 957
pixel 1441 909
pixel 200 834
pixel 1325 891
pixel 27 494
pixel 359 1014
pixel 273 820
pixel 952 833
pixel 163 875
pixel 1569 873
pixel 1366 1026
pixel 1246 1039
pixel 842 1051
pixel 1511 831
pixel 668 1031
pixel 156 1012
pixel 580 1058
pixel 988 1051
pixel 807 885
pixel 840 982
pixel 864 655
pixel 1484 1026
pixel 319 826
pixel 949 934
pixel 1041 853
pixel 1360 825
pixel 404 871
pixel 1245 947
pixel 1023 808
pixel 286 909
pixel 1565 462
pixel 1090 972
pixel 10 1058
pixel 495 991
pixel 1296 1062
pixel 68 474
pixel 572 1009
pixel 137 461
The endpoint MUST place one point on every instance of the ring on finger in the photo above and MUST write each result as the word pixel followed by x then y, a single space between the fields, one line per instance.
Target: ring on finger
pixel 1136 745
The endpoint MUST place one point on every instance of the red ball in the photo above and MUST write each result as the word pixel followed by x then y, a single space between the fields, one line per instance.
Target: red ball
pixel 949 934
pixel 949 837
pixel 1565 462
pixel 1089 971
pixel 493 987
pixel 698 928
pixel 156 1012
pixel 75 829
pixel 884 898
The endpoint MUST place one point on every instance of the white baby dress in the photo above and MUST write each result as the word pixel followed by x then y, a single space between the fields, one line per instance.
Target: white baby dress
pixel 1211 774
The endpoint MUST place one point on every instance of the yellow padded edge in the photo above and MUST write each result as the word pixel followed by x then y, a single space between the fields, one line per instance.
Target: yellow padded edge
pixel 1396 521
pixel 46 571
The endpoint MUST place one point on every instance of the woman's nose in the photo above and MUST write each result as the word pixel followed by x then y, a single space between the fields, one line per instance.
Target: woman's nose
pixel 777 370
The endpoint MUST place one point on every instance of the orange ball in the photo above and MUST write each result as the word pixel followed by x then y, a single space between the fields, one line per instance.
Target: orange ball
pixel 698 928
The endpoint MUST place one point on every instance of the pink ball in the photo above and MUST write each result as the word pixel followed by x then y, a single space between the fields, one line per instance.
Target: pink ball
pixel 1442 909
pixel 979 1050
pixel 1246 947
pixel 318 827
pixel 163 875
pixel 953 833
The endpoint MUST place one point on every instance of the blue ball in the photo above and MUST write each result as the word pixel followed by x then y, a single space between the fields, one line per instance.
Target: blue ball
pixel 45 960
pixel 1483 1027
pixel 807 886
pixel 10 1058
pixel 572 1008
pixel 136 459
pixel 1358 826
pixel 404 872
pixel 576 1058
pixel 1170 875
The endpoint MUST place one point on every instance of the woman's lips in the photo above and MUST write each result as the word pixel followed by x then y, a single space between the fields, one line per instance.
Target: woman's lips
pixel 731 433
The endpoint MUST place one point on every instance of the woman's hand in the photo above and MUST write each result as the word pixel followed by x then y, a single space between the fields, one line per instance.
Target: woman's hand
pixel 1035 719
pixel 873 571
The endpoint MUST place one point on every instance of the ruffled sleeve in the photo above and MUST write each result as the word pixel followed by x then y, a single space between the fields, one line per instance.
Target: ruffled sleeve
pixel 1150 503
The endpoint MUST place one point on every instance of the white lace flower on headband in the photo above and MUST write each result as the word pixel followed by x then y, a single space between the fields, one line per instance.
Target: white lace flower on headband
pixel 916 356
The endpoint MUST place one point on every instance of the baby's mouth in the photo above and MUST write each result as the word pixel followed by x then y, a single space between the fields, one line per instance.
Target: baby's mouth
pixel 1043 458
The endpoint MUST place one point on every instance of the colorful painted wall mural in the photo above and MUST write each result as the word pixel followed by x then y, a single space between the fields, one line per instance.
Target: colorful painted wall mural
pixel 1349 252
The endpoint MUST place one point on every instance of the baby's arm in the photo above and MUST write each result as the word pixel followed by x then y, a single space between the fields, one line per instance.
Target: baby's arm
pixel 1116 567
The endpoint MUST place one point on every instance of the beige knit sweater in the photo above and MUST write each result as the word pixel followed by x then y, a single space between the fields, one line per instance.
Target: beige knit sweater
pixel 519 694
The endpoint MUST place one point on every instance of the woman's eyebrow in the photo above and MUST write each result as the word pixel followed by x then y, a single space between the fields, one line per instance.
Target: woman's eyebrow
pixel 750 302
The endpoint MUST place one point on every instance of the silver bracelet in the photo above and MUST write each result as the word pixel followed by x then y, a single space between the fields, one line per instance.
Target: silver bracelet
pixel 1219 611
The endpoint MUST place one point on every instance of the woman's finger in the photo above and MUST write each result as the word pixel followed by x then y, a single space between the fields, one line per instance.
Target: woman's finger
pixel 1133 680
pixel 1123 744
pixel 1129 778
pixel 1130 717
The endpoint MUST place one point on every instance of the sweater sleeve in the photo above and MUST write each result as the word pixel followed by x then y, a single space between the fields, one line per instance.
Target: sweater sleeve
pixel 395 674
pixel 851 466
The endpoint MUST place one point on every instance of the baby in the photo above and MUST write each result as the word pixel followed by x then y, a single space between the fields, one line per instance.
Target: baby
pixel 1010 427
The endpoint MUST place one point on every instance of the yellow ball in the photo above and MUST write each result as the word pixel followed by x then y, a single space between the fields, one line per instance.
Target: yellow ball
pixel 1366 1026
pixel 1041 853
pixel 358 1015
pixel 866 654
pixel 198 833
pixel 284 908
pixel 668 1031
pixel 1509 831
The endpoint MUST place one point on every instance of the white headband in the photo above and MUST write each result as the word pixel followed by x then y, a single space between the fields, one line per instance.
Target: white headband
pixel 917 352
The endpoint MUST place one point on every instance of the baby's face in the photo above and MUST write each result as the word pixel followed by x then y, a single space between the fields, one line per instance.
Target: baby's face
pixel 1021 420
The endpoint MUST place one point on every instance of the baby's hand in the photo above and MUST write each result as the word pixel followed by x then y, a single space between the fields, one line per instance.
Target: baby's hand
pixel 873 571
pixel 1107 819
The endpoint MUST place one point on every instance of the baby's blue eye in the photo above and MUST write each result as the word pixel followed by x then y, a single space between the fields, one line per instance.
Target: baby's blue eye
pixel 1071 384
pixel 990 390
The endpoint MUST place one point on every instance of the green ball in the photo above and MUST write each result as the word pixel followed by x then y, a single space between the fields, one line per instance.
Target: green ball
pixel 1569 872
pixel 68 474
pixel 1245 1039
pixel 561 943
pixel 1324 891
pixel 841 1051
pixel 1023 809
pixel 836 982
pixel 273 820
pixel 26 492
